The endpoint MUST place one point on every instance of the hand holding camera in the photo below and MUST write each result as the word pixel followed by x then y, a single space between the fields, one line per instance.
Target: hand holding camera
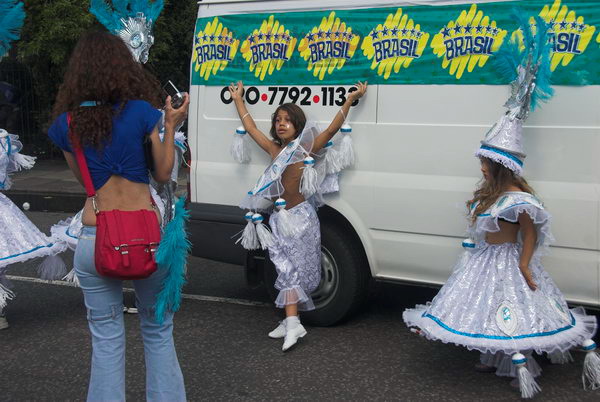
pixel 176 106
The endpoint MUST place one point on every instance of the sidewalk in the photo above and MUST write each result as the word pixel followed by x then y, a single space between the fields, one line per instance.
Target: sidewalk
pixel 51 186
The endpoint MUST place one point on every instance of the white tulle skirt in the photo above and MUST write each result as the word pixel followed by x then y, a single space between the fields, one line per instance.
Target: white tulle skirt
pixel 486 305
pixel 20 239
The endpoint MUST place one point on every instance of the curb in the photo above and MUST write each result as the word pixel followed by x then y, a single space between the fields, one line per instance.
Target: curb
pixel 48 201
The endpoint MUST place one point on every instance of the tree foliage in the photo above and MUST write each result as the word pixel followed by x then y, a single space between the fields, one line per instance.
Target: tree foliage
pixel 52 28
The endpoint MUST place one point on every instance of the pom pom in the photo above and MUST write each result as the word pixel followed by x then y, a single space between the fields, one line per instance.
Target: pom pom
pixel 249 237
pixel 5 295
pixel 52 268
pixel 346 149
pixel 240 150
pixel 558 357
pixel 468 244
pixel 591 366
pixel 332 159
pixel 527 384
pixel 287 223
pixel 22 161
pixel 265 237
pixel 308 182
pixel 71 277
pixel 26 206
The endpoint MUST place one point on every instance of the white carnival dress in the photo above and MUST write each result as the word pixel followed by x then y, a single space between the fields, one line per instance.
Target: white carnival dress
pixel 486 303
pixel 294 244
pixel 20 239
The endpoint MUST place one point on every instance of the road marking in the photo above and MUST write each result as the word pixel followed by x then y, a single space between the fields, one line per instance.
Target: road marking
pixel 215 299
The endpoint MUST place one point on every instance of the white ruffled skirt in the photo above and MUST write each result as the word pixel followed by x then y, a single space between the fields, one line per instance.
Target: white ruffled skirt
pixel 297 258
pixel 486 305
pixel 20 239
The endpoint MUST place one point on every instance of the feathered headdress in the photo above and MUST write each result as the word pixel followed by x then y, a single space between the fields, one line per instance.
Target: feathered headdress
pixel 12 17
pixel 132 20
pixel 526 63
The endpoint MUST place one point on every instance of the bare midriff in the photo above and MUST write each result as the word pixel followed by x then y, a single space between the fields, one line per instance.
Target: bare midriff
pixel 290 179
pixel 507 234
pixel 119 193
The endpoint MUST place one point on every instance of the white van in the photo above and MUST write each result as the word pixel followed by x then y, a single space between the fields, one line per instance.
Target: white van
pixel 400 212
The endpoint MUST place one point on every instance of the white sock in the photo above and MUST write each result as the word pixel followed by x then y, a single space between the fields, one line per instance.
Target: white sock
pixel 292 322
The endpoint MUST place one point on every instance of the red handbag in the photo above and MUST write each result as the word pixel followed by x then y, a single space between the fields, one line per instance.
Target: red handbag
pixel 126 241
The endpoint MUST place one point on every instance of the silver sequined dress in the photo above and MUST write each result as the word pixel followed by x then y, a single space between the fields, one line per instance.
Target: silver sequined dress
pixel 297 258
pixel 486 304
pixel 20 239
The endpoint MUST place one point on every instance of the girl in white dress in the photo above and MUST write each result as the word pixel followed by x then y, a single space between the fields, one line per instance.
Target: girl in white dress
pixel 499 300
pixel 300 155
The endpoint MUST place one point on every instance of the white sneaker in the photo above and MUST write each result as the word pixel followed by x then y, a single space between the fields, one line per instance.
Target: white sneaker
pixel 292 335
pixel 278 332
pixel 3 323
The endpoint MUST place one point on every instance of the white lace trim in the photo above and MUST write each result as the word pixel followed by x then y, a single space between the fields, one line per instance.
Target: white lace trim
pixel 45 250
pixel 503 160
pixel 584 328
pixel 294 295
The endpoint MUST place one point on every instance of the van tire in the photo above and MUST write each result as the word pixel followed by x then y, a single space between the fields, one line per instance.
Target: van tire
pixel 344 282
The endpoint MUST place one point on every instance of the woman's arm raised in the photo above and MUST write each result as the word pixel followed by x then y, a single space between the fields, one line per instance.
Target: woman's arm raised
pixel 237 94
pixel 339 118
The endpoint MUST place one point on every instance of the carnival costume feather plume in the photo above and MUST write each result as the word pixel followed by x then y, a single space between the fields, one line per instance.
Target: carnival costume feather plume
pixel 12 17
pixel 111 17
pixel 525 62
pixel 527 65
pixel 172 256
pixel 132 21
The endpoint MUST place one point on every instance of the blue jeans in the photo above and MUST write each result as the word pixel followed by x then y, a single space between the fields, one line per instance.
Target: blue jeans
pixel 104 302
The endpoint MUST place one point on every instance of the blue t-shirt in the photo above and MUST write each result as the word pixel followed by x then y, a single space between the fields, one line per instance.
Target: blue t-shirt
pixel 123 154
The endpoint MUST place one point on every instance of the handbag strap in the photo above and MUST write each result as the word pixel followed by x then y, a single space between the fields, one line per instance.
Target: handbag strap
pixel 83 167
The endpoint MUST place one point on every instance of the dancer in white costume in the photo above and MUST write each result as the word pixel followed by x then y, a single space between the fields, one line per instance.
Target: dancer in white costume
pixel 20 239
pixel 499 300
pixel 304 166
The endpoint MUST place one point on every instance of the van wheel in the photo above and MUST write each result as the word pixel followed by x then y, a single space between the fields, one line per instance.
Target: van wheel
pixel 344 277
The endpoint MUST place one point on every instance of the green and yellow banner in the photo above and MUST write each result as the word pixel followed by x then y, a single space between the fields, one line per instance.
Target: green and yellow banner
pixel 408 45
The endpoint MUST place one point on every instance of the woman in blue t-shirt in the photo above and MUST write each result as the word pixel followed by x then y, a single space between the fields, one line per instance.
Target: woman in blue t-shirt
pixel 112 104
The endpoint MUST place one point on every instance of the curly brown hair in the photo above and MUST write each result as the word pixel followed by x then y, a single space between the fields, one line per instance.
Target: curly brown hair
pixel 102 69
pixel 500 178
pixel 297 117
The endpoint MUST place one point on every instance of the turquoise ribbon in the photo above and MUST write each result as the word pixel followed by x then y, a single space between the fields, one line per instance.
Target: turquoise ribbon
pixel 89 104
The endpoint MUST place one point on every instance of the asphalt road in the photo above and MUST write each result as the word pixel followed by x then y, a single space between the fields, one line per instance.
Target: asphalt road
pixel 225 353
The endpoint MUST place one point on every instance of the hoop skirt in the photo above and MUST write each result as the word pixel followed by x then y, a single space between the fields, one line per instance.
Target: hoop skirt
pixel 486 303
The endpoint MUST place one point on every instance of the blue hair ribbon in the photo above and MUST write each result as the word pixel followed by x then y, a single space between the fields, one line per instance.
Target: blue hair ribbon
pixel 89 104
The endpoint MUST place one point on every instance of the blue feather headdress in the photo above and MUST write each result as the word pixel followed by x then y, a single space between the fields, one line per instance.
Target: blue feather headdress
pixel 525 62
pixel 111 17
pixel 132 20
pixel 12 17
